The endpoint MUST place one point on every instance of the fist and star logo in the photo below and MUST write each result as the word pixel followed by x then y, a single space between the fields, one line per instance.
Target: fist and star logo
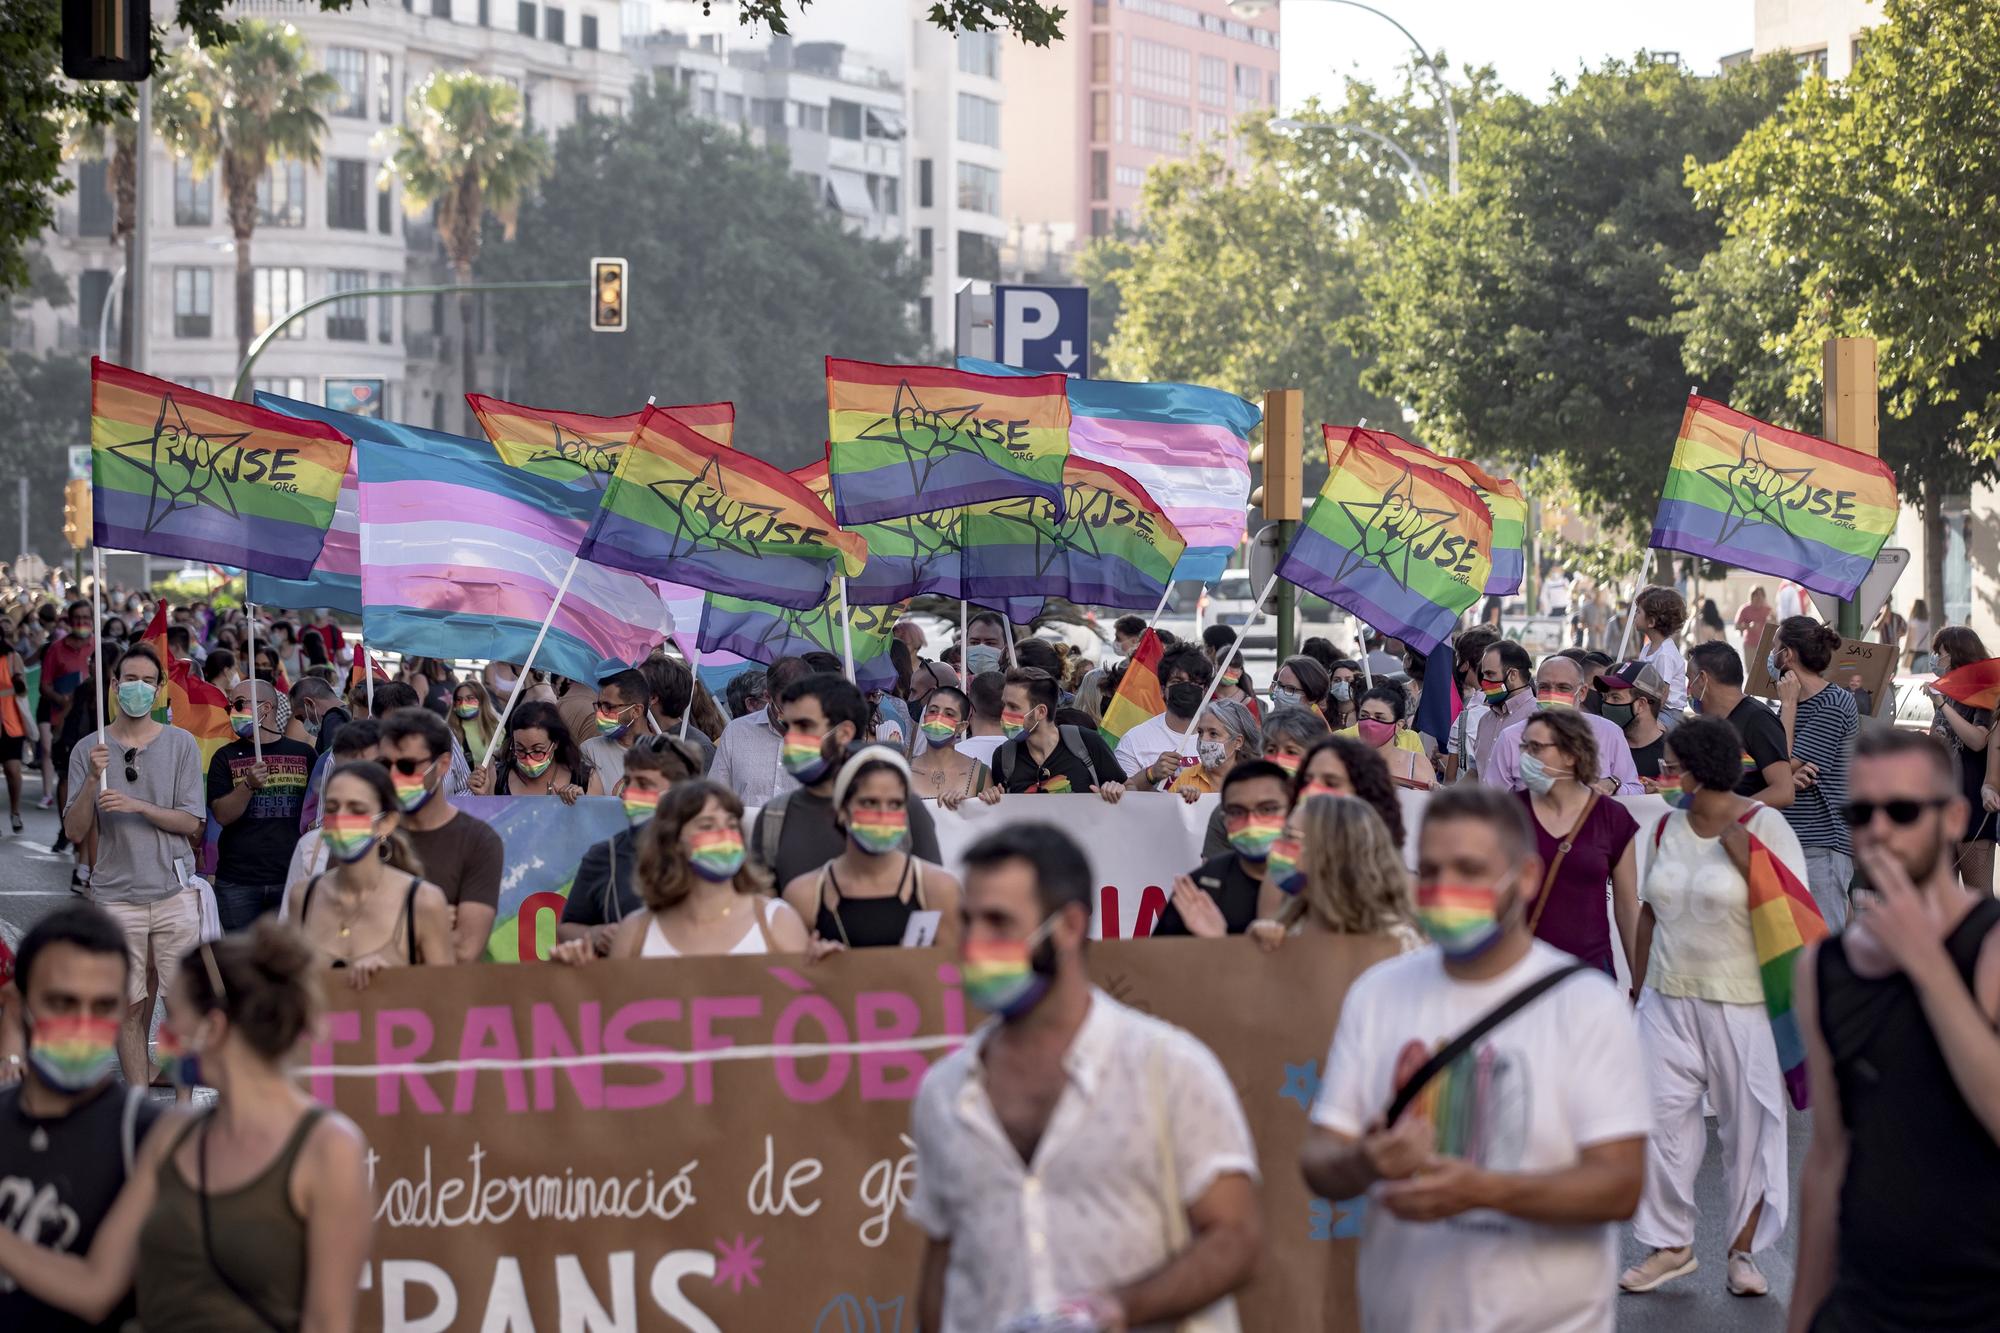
pixel 1391 529
pixel 186 468
pixel 1758 490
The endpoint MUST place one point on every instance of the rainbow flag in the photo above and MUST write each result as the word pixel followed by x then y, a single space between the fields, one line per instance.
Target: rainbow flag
pixel 1139 697
pixel 1187 445
pixel 1110 546
pixel 176 472
pixel 763 632
pixel 1503 498
pixel 907 557
pixel 335 581
pixel 914 439
pixel 1783 503
pixel 1401 545
pixel 186 700
pixel 1783 921
pixel 1976 684
pixel 684 508
pixel 575 446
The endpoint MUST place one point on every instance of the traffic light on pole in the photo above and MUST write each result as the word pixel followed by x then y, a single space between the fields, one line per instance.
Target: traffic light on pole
pixel 608 291
pixel 76 512
pixel 107 41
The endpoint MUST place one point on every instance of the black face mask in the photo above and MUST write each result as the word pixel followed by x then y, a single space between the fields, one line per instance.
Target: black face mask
pixel 1184 698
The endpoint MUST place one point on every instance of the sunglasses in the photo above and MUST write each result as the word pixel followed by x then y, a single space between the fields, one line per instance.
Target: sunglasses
pixel 409 768
pixel 1860 814
pixel 132 766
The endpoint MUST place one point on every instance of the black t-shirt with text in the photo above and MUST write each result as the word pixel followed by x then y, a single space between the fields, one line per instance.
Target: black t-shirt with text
pixel 257 848
pixel 1763 737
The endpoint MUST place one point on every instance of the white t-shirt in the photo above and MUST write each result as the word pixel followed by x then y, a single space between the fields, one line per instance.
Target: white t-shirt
pixel 1145 743
pixel 1673 669
pixel 980 749
pixel 1702 945
pixel 1560 1075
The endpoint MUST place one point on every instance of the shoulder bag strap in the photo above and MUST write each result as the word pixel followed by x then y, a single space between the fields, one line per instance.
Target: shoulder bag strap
pixel 1555 863
pixel 761 903
pixel 1465 1040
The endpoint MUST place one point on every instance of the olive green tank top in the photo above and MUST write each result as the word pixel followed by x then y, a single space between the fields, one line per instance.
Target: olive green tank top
pixel 256 1249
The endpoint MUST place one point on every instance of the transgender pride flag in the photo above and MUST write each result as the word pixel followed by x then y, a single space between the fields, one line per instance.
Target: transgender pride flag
pixel 461 556
pixel 1186 445
pixel 335 581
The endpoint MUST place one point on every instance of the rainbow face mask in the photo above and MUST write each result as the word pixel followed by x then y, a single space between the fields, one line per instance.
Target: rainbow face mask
pixel 608 724
pixel 1008 978
pixel 411 792
pixel 243 723
pixel 1013 722
pixel 74 1053
pixel 1288 762
pixel 1253 836
pixel 181 1066
pixel 1555 696
pixel 716 855
pixel 878 832
pixel 640 805
pixel 467 711
pixel 1462 918
pixel 1281 865
pixel 533 768
pixel 348 838
pixel 802 758
pixel 939 730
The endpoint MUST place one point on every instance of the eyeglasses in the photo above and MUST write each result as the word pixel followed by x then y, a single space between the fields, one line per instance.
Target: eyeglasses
pixel 409 768
pixel 1860 814
pixel 1265 809
pixel 132 766
pixel 533 752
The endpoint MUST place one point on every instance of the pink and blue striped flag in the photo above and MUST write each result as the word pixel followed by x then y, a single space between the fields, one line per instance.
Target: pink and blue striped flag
pixel 1186 445
pixel 335 581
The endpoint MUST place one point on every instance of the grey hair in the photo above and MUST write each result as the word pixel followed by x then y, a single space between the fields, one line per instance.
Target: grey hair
pixel 1242 724
pixel 1300 725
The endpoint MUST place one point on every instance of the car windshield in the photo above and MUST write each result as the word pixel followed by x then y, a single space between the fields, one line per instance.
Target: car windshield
pixel 1234 588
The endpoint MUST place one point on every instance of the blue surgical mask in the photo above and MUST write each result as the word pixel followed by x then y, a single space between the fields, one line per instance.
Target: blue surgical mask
pixel 981 658
pixel 1284 698
pixel 135 698
pixel 1772 664
pixel 1536 778
pixel 1342 691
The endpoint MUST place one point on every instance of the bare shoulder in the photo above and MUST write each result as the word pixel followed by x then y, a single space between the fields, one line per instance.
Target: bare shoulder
pixel 336 1140
pixel 430 898
pixel 939 880
pixel 1986 976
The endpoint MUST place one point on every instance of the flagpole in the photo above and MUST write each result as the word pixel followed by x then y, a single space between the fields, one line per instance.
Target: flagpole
pixel 694 670
pixel 1625 638
pixel 1161 609
pixel 521 681
pixel 97 655
pixel 846 632
pixel 1013 658
pixel 256 727
pixel 1222 668
pixel 367 673
pixel 1361 651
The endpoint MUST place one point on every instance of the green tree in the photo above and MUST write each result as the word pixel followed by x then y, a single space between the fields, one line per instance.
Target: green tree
pixel 1866 208
pixel 742 281
pixel 235 108
pixel 463 149
pixel 1527 317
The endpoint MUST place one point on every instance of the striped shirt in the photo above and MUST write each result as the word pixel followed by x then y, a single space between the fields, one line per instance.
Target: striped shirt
pixel 1823 735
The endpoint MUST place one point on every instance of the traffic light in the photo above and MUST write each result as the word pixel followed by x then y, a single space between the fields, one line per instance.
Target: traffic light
pixel 109 41
pixel 607 295
pixel 76 512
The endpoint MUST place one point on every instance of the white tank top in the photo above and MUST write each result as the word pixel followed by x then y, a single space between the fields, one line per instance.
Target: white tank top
pixel 657 945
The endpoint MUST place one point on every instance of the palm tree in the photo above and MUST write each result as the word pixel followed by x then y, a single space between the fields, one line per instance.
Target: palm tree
pixel 238 108
pixel 114 142
pixel 463 147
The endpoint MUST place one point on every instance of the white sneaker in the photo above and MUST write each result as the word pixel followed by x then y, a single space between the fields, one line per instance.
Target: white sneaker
pixel 1744 1277
pixel 1658 1268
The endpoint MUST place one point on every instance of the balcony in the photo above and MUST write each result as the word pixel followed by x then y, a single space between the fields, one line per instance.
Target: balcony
pixel 426 345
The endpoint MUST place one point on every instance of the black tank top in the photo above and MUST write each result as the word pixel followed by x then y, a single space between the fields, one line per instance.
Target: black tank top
pixel 1920 1206
pixel 869 923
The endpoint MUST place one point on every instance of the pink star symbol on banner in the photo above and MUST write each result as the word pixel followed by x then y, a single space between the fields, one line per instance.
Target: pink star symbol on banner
pixel 737 1263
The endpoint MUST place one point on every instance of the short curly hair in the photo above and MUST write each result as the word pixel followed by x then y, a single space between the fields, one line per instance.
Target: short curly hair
pixel 1665 608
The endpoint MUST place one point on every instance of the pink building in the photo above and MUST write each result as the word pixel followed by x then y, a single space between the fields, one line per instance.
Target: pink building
pixel 1133 81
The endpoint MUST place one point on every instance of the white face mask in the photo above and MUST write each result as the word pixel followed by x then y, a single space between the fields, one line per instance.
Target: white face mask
pixel 1212 754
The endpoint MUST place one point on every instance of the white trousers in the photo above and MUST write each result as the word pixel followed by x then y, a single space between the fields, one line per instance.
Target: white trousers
pixel 1725 1050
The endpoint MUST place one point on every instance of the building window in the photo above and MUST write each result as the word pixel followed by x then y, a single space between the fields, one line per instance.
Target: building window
pixel 1100 57
pixel 273 293
pixel 93 289
pixel 588 32
pixel 808 116
pixel 978 120
pixel 347 194
pixel 926 238
pixel 485 13
pixel 1160 126
pixel 440 9
pixel 978 188
pixel 1214 81
pixel 1100 175
pixel 347 321
pixel 1812 64
pixel 553 23
pixel 924 316
pixel 732 108
pixel 1249 87
pixel 1131 177
pixel 1214 125
pixel 94 211
pixel 194 196
pixel 978 257
pixel 385 84
pixel 383 213
pixel 1159 68
pixel 1100 117
pixel 349 68
pixel 281 195
pixel 524 18
pixel 194 294
pixel 979 53
pixel 923 182
pixel 285 386
pixel 843 120
pixel 1100 222
pixel 385 309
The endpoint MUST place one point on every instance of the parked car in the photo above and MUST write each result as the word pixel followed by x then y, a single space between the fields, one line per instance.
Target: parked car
pixel 1914 710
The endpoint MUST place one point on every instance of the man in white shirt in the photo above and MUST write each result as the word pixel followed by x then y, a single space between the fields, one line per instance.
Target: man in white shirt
pixel 1499 1213
pixel 985 735
pixel 1154 751
pixel 1559 684
pixel 1033 1214
pixel 747 756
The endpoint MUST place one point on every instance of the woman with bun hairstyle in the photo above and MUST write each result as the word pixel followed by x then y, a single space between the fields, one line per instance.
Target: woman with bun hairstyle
pixel 703 896
pixel 1820 725
pixel 372 908
pixel 249 1215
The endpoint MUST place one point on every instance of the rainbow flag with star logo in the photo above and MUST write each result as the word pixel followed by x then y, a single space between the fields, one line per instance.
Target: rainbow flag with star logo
pixel 1503 497
pixel 1778 501
pixel 912 439
pixel 762 632
pixel 578 447
pixel 179 473
pixel 1403 546
pixel 683 508
pixel 1111 545
pixel 911 556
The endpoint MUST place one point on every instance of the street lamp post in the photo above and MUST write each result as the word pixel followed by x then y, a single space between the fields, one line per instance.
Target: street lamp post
pixel 1417 177
pixel 1252 8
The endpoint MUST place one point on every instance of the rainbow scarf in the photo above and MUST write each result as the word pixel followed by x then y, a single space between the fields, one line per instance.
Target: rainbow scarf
pixel 1783 921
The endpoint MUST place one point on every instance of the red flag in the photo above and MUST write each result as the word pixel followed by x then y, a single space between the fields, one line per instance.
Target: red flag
pixel 1976 684
pixel 185 699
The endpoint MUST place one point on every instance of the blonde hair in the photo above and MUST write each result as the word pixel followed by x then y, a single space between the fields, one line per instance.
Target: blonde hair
pixel 1355 880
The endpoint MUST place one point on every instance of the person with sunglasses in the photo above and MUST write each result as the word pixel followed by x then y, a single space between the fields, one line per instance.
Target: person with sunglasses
pixel 459 852
pixel 536 757
pixel 1702 1022
pixel 136 787
pixel 1899 1198
pixel 602 896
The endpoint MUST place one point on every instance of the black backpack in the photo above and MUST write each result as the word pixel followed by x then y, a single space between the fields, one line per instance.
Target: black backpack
pixel 1005 758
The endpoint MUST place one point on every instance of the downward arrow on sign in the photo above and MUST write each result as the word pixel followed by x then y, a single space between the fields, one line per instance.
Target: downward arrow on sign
pixel 1066 354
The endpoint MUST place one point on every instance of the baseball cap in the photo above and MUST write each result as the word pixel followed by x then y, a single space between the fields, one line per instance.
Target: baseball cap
pixel 1639 677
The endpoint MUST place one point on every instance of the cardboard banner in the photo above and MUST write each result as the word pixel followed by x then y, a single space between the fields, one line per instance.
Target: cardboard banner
pixel 1136 847
pixel 713 1144
pixel 1864 667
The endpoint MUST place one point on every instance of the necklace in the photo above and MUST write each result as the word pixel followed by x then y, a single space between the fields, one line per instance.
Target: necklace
pixel 353 914
pixel 719 916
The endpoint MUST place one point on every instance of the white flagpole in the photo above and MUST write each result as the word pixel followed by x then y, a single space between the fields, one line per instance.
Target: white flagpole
pixel 521 681
pixel 1361 651
pixel 1625 638
pixel 256 727
pixel 694 671
pixel 846 633
pixel 1013 658
pixel 1222 668
pixel 964 669
pixel 97 656
pixel 1161 609
pixel 367 673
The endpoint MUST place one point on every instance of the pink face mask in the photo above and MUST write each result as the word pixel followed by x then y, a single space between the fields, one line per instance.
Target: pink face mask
pixel 1373 733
